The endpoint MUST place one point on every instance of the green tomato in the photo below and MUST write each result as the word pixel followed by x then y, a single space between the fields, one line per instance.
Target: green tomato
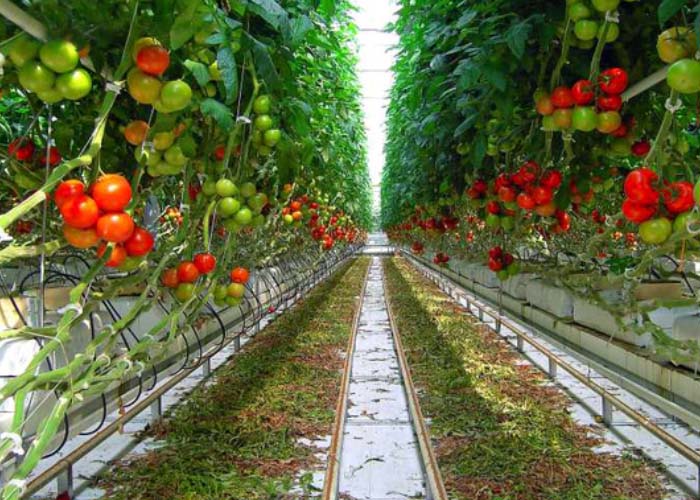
pixel 220 292
pixel 263 123
pixel 22 50
pixel 548 124
pixel 232 226
pixel 176 95
pixel 262 105
pixel 236 290
pixel 288 219
pixel 233 301
pixel 228 206
pixel 586 29
pixel 272 137
pixel 60 56
pixel 612 34
pixel 248 189
pixel 214 71
pixel 36 77
pixel 578 11
pixel 244 216
pixel 508 224
pixel 209 187
pixel 655 231
pixel 257 202
pixel 169 169
pixel 184 291
pixel 605 5
pixel 493 221
pixel 258 220
pixel 684 76
pixel 682 221
pixel 620 147
pixel 226 187
pixel 264 151
pixel 513 269
pixel 584 118
pixel 502 275
pixel 131 264
pixel 174 156
pixel 75 84
pixel 51 96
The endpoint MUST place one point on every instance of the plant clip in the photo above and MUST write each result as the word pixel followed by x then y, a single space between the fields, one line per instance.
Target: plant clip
pixel 673 107
pixel 115 87
pixel 243 119
pixel 20 484
pixel 612 16
pixel 71 307
pixel 16 439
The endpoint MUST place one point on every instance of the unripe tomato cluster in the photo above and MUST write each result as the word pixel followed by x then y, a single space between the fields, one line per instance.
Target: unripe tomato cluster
pixel 98 217
pixel 586 107
pixel 233 293
pixel 163 152
pixel 588 17
pixel 238 207
pixel 441 259
pixel 264 137
pixel 50 70
pixel 144 83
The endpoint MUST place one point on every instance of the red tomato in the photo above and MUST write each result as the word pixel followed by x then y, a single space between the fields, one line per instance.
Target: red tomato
pixel 610 102
pixel 526 202
pixel 140 243
pixel 678 197
pixel 542 195
pixel 621 131
pixel 637 212
pixel 169 278
pixel 496 253
pixel 493 207
pixel 613 81
pixel 22 149
pixel 153 60
pixel 67 190
pixel 187 272
pixel 80 211
pixel 641 148
pixel 551 179
pixel 80 238
pixel 562 97
pixel 240 275
pixel 506 194
pixel 544 106
pixel 564 220
pixel 220 152
pixel 54 157
pixel 112 192
pixel 495 265
pixel 639 186
pixel 205 262
pixel 116 227
pixel 117 257
pixel 582 92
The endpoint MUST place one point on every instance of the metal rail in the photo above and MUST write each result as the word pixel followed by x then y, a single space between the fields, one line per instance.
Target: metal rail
pixel 62 469
pixel 609 401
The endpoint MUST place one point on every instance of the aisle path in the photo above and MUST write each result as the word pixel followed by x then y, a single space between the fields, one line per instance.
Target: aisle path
pixel 380 459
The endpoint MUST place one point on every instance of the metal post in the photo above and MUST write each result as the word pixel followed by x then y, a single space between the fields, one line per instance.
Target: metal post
pixel 552 368
pixel 157 409
pixel 520 344
pixel 64 481
pixel 206 367
pixel 481 314
pixel 607 411
pixel 498 325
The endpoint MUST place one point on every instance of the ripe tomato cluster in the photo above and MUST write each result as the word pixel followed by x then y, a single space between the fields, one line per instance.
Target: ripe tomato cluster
pixel 657 209
pixel 100 218
pixel 183 277
pixel 502 263
pixel 585 106
pixel 441 259
pixel 326 225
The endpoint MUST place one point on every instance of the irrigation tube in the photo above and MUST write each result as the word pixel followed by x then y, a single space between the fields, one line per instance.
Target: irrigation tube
pixel 608 400
pixel 62 470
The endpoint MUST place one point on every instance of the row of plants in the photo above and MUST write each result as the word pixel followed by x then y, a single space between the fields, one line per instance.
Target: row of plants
pixel 499 430
pixel 250 433
pixel 558 138
pixel 173 147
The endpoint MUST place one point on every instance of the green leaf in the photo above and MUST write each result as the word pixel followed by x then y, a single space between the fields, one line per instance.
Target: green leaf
pixel 467 124
pixel 271 12
pixel 226 61
pixel 495 75
pixel 327 8
pixel 669 8
pixel 219 112
pixel 184 26
pixel 298 29
pixel 516 37
pixel 199 71
pixel 263 62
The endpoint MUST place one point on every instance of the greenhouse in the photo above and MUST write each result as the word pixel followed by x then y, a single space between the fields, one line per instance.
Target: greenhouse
pixel 350 249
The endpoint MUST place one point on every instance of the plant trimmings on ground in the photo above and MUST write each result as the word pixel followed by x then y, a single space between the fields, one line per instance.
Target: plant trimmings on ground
pixel 500 432
pixel 246 435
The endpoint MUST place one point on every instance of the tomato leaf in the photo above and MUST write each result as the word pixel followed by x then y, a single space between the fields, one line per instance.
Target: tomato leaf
pixel 219 112
pixel 271 12
pixel 670 8
pixel 263 62
pixel 199 71
pixel 184 28
pixel 516 36
pixel 226 61
pixel 298 29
